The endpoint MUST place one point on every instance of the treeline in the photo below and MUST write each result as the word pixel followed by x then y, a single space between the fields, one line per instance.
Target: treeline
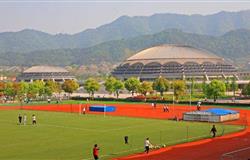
pixel 38 89
pixel 214 89
pixel 41 90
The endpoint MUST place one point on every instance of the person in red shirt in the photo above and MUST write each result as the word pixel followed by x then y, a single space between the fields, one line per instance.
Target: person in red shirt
pixel 95 152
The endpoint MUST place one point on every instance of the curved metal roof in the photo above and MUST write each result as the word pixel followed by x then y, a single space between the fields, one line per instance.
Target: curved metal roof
pixel 44 69
pixel 174 53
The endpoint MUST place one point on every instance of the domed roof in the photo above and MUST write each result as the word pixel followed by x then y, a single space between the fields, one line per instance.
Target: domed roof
pixel 44 69
pixel 174 53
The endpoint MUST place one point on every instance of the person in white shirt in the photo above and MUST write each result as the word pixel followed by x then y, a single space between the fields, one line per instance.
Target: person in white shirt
pixel 24 119
pixel 84 110
pixel 147 145
pixel 33 119
pixel 199 105
pixel 49 100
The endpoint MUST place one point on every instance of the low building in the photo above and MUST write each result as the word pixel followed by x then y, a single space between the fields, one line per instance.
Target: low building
pixel 45 73
pixel 212 115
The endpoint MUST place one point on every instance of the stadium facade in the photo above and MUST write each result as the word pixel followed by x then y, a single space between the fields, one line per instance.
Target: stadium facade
pixel 45 73
pixel 175 62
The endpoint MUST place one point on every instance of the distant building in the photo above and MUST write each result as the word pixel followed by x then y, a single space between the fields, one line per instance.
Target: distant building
pixel 7 79
pixel 45 73
pixel 3 78
pixel 175 62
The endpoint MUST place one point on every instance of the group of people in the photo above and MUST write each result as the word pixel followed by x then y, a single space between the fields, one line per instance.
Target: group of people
pixel 23 119
pixel 96 149
pixel 147 143
pixel 153 105
pixel 165 108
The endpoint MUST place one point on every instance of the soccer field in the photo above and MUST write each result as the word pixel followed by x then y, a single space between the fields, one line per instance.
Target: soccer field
pixel 59 136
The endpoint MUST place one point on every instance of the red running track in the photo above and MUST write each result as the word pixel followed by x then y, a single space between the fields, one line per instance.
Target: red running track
pixel 208 149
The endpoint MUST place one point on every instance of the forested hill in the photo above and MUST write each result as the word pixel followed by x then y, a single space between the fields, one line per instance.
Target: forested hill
pixel 234 46
pixel 125 27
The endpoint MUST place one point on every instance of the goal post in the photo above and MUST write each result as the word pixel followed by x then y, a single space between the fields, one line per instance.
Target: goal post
pixel 79 109
pixel 104 112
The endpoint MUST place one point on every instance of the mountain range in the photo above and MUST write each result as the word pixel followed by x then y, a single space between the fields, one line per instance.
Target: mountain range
pixel 234 46
pixel 225 33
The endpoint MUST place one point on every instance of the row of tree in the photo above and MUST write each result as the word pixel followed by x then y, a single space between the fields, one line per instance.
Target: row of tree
pixel 213 90
pixel 112 85
pixel 33 90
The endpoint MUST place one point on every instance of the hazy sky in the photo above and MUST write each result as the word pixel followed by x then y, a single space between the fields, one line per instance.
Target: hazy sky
pixel 77 15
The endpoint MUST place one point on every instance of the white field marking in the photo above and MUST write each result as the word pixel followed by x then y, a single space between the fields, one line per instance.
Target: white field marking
pixel 106 155
pixel 235 151
pixel 128 127
pixel 185 139
pixel 93 130
pixel 52 125
pixel 75 128
pixel 9 121
pixel 84 129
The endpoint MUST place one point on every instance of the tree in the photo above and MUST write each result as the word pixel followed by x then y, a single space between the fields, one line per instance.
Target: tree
pixel 113 85
pixel 215 89
pixel 15 89
pixel 161 85
pixel 227 84
pixel 40 86
pixel 179 87
pixel 91 86
pixel 33 90
pixel 145 87
pixel 118 86
pixel 234 85
pixel 9 90
pixel 52 87
pixel 192 85
pixel 109 84
pixel 22 90
pixel 246 90
pixel 132 85
pixel 2 86
pixel 69 86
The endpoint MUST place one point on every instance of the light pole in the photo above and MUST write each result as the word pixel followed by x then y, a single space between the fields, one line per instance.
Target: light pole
pixel 190 97
pixel 173 102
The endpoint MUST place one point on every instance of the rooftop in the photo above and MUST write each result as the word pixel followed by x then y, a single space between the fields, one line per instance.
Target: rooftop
pixel 44 69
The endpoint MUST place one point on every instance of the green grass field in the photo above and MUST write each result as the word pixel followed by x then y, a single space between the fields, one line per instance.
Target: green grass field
pixel 59 136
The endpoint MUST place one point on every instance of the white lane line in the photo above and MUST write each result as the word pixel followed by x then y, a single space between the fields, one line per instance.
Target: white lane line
pixel 235 151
